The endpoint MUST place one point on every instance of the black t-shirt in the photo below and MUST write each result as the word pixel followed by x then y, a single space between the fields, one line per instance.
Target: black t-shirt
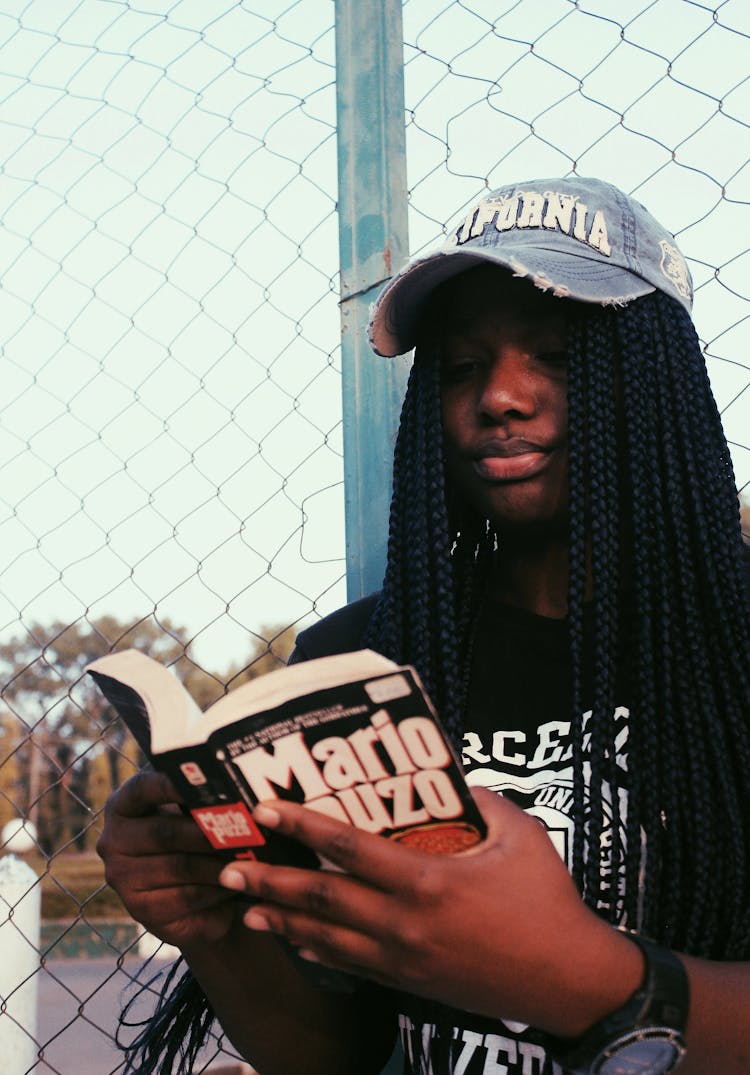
pixel 517 742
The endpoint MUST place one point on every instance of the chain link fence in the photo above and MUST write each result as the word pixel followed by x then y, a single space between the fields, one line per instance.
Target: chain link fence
pixel 170 420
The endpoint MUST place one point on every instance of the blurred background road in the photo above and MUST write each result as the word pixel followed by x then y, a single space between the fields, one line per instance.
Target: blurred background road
pixel 79 1004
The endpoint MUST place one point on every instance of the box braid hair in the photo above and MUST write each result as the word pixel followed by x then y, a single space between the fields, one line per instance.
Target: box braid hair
pixel 652 499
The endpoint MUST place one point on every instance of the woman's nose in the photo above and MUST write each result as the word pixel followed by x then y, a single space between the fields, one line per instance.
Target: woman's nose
pixel 509 386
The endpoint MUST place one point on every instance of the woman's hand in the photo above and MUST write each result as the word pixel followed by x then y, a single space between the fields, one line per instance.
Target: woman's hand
pixel 499 930
pixel 161 865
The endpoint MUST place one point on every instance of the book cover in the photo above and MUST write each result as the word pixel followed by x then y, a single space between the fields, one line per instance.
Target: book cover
pixel 353 736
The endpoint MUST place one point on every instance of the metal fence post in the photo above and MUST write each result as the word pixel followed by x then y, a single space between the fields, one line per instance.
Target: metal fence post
pixel 373 243
pixel 19 943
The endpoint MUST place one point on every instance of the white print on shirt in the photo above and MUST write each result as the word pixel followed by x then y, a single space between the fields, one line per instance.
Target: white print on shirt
pixel 536 772
pixel 472 1052
pixel 538 776
pixel 512 748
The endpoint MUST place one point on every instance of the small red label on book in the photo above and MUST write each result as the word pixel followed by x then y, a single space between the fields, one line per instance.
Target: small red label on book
pixel 228 826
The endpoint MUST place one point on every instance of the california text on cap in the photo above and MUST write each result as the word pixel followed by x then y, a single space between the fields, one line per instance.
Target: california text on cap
pixel 579 238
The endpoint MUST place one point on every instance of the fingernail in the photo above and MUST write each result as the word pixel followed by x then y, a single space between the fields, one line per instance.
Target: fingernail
pixel 308 955
pixel 255 920
pixel 267 816
pixel 231 878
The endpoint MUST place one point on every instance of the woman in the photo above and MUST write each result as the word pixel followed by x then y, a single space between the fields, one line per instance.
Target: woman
pixel 566 571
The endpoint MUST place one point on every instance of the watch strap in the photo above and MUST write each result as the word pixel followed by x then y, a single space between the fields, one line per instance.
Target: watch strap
pixel 659 1006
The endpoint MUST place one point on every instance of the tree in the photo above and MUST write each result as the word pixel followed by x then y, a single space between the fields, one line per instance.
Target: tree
pixel 270 649
pixel 58 723
pixel 128 760
pixel 11 789
pixel 272 645
pixel 99 786
pixel 62 747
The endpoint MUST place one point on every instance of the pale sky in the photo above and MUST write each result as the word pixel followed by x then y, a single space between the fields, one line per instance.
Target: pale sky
pixel 170 422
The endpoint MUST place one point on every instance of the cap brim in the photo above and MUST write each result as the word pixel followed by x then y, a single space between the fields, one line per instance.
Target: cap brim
pixel 396 313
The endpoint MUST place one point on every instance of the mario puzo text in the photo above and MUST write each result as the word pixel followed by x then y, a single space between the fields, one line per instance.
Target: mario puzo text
pixel 382 776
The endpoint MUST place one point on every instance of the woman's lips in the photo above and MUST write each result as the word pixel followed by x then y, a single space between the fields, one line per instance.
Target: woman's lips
pixel 510 461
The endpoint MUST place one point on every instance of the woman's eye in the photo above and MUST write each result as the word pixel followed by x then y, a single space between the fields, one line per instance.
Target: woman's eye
pixel 458 369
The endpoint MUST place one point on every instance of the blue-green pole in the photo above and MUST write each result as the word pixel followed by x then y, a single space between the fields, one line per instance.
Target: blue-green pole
pixel 373 244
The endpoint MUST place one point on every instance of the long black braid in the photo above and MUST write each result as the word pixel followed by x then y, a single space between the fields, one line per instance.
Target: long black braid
pixel 653 503
pixel 437 572
pixel 691 726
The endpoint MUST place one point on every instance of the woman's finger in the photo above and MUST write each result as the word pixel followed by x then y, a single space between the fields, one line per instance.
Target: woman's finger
pixel 322 894
pixel 160 872
pixel 331 944
pixel 380 862
pixel 156 834
pixel 143 794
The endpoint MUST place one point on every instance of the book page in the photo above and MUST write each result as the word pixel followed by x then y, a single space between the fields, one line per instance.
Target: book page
pixel 173 717
pixel 294 681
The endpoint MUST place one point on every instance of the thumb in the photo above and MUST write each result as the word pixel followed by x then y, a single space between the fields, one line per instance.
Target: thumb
pixel 500 814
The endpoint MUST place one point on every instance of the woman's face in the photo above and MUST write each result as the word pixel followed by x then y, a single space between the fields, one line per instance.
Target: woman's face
pixel 504 376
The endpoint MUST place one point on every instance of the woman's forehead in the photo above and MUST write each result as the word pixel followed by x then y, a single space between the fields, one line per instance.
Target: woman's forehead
pixel 487 291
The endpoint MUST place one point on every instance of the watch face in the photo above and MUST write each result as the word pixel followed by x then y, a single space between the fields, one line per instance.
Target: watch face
pixel 647 1056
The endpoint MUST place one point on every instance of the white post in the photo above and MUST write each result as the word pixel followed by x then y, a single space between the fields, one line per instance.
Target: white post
pixel 20 911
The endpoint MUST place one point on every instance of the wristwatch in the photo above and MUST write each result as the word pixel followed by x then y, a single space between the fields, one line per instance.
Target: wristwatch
pixel 646 1036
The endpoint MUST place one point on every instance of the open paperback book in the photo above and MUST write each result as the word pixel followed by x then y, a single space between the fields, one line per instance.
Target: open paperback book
pixel 353 736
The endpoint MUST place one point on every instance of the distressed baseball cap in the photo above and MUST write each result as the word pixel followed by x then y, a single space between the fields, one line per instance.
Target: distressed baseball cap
pixel 579 238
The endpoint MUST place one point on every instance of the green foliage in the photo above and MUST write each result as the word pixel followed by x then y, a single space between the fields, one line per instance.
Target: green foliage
pixel 57 726
pixel 62 748
pixel 73 885
pixel 11 782
pixel 271 648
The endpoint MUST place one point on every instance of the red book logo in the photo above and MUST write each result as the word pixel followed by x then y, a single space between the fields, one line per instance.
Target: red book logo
pixel 228 826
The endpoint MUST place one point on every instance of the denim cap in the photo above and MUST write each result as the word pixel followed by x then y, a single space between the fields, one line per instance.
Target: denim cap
pixel 578 238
